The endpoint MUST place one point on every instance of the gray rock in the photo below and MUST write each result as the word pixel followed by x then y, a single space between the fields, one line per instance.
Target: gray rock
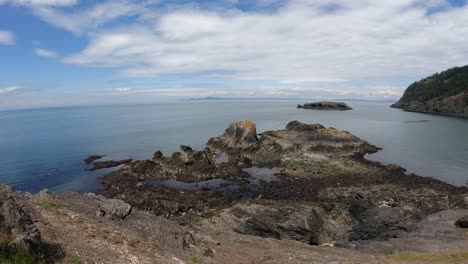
pixel 287 223
pixel 113 208
pixel 15 223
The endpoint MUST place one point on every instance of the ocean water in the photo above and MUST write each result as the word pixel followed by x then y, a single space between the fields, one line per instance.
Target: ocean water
pixel 45 148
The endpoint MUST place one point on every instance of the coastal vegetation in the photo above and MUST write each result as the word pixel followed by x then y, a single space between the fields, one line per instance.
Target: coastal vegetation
pixel 447 83
pixel 441 93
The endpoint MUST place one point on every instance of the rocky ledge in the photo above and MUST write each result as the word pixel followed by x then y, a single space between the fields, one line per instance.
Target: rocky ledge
pixel 325 106
pixel 305 183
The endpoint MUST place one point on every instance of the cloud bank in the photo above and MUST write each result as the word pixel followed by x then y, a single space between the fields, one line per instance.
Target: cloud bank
pixel 303 41
pixel 295 42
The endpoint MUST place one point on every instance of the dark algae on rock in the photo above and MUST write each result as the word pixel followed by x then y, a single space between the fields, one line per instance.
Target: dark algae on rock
pixel 442 93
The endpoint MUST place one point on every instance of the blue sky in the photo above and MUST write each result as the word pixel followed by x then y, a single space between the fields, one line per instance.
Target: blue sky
pixel 78 52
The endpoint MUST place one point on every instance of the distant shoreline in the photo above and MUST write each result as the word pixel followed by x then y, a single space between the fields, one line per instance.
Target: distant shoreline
pixel 285 99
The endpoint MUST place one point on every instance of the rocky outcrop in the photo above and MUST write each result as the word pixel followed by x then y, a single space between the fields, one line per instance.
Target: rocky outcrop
pixel 324 192
pixel 239 135
pixel 456 105
pixel 16 226
pixel 325 106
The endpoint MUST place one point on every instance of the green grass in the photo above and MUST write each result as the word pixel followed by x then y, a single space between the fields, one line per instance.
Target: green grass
pixel 18 256
pixel 194 260
pixel 459 256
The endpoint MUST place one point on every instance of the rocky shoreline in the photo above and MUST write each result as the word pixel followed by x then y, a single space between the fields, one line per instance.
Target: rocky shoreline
pixel 456 105
pixel 303 194
pixel 325 192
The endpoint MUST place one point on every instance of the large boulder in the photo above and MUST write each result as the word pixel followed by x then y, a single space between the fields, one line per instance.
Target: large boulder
pixel 239 135
pixel 112 208
pixel 16 226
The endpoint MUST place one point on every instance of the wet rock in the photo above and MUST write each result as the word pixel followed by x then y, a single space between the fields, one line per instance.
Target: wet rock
pixel 158 155
pixel 15 224
pixel 92 158
pixel 462 222
pixel 108 164
pixel 395 168
pixel 325 106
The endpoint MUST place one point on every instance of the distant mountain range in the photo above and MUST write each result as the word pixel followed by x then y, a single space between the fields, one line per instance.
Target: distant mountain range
pixel 441 93
pixel 211 98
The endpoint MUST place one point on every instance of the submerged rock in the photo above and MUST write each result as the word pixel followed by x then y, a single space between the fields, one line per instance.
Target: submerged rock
pixel 325 106
pixel 108 164
pixel 92 158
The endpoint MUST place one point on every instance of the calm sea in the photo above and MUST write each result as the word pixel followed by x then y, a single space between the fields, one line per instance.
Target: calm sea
pixel 45 148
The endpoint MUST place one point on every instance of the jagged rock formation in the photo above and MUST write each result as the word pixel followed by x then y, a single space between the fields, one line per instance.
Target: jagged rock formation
pixel 325 106
pixel 442 93
pixel 16 226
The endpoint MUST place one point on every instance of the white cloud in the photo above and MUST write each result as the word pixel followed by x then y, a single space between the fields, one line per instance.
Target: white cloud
pixel 303 41
pixel 121 89
pixel 9 89
pixel 40 2
pixel 91 18
pixel 6 38
pixel 45 53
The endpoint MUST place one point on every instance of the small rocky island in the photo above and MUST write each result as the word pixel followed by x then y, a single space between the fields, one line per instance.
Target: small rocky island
pixel 302 194
pixel 325 106
pixel 442 93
